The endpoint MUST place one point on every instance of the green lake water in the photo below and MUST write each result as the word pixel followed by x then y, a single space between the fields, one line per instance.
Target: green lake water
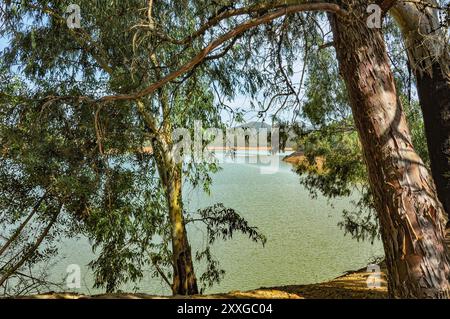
pixel 304 244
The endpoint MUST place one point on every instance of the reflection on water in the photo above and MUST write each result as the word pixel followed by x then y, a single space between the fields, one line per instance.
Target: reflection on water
pixel 304 245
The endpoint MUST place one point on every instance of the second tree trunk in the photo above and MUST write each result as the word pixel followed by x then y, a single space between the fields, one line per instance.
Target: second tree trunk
pixel 404 193
pixel 184 281
pixel 429 58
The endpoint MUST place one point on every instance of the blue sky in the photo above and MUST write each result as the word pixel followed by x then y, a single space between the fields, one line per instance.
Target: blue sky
pixel 3 43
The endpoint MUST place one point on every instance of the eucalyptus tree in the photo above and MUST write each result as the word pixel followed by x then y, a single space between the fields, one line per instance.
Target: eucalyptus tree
pixel 404 193
pixel 409 212
pixel 405 199
pixel 424 27
pixel 401 190
pixel 332 134
pixel 88 151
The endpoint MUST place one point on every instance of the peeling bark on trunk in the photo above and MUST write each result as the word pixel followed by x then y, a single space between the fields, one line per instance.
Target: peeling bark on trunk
pixel 429 58
pixel 184 281
pixel 404 193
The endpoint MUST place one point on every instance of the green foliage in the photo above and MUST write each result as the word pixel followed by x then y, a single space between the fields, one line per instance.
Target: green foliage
pixel 342 173
pixel 87 155
pixel 334 140
pixel 221 223
pixel 325 99
pixel 416 125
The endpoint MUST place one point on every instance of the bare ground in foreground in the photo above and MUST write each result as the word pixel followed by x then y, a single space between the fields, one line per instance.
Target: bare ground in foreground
pixel 349 286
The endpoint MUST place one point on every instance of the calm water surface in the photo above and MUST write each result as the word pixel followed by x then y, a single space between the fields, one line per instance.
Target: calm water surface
pixel 304 244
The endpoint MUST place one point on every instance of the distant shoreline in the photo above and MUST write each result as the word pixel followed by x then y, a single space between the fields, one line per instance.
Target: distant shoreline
pixel 245 148
pixel 298 157
pixel 148 149
pixel 294 158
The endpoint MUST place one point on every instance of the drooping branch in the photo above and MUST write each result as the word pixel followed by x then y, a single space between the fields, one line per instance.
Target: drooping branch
pixel 22 225
pixel 82 37
pixel 160 271
pixel 31 250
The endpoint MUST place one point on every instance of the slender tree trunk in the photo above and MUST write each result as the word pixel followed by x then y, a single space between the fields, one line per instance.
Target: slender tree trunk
pixel 405 197
pixel 184 281
pixel 429 58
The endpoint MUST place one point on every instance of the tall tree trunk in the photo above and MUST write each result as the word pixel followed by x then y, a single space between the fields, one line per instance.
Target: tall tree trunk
pixel 405 197
pixel 184 281
pixel 429 58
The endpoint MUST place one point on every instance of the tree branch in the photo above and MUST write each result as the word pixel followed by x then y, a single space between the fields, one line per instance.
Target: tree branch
pixel 30 251
pixel 22 225
pixel 202 55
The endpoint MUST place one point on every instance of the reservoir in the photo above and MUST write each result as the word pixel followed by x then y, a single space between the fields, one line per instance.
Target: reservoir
pixel 304 243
